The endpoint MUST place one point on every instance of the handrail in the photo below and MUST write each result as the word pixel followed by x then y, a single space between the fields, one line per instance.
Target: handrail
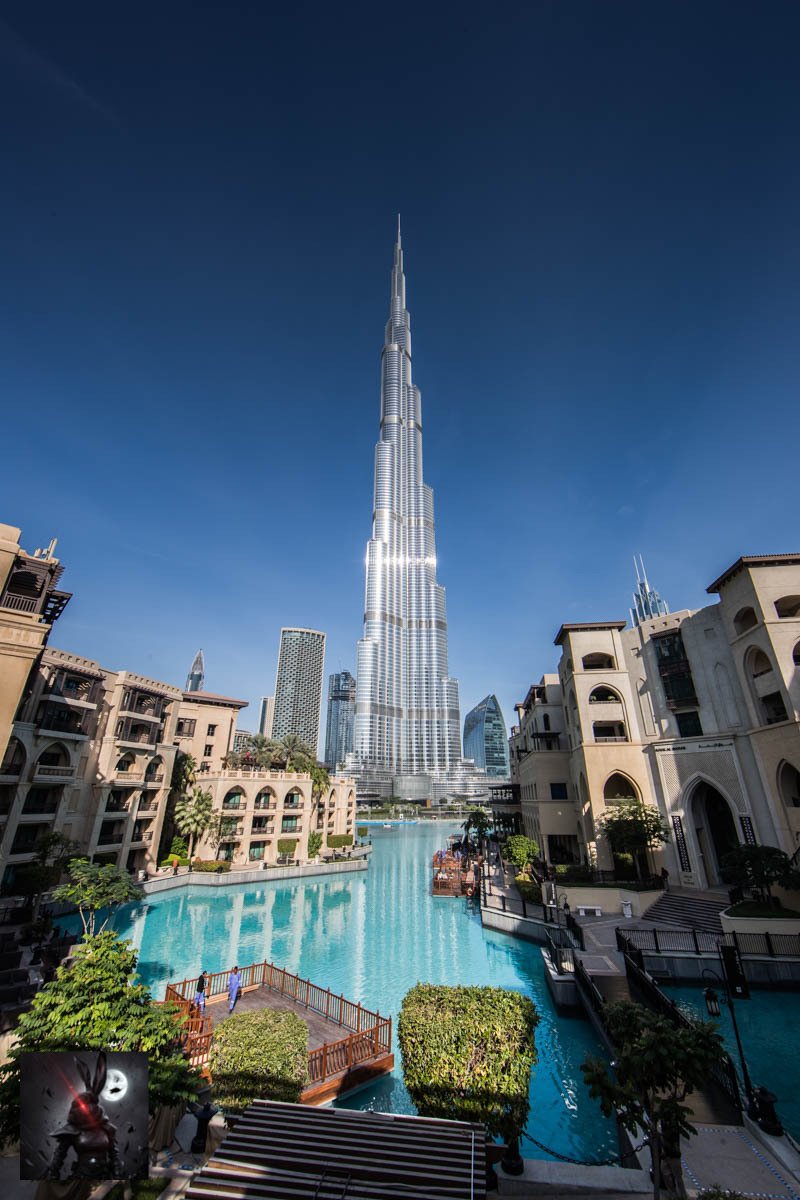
pixel 698 941
pixel 371 1034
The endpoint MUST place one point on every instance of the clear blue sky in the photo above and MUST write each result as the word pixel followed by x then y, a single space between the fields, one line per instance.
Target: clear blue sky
pixel 600 221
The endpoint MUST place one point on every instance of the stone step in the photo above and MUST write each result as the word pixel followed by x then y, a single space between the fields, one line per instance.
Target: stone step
pixel 687 911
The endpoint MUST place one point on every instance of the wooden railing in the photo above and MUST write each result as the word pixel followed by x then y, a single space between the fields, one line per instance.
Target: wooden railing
pixel 196 1028
pixel 370 1036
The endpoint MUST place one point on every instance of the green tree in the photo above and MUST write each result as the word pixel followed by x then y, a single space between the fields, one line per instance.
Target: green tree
pixel 760 868
pixel 633 827
pixel 320 780
pixel 96 1003
pixel 221 827
pixel 657 1066
pixel 193 813
pixel 294 753
pixel 93 888
pixel 314 844
pixel 521 850
pixel 467 1054
pixel 177 848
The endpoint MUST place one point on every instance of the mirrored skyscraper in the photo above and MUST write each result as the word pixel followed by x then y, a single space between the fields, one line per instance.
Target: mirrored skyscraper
pixel 407 737
pixel 341 712
pixel 486 738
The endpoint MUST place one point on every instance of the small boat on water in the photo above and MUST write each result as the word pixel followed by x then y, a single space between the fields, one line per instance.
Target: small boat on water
pixel 388 825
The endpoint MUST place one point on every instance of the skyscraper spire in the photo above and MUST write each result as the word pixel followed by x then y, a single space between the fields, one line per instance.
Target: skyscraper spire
pixel 646 600
pixel 197 674
pixel 407 735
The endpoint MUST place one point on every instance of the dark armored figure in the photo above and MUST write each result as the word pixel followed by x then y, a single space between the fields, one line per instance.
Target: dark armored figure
pixel 88 1131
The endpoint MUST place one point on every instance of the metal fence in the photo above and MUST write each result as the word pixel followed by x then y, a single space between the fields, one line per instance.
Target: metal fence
pixel 697 941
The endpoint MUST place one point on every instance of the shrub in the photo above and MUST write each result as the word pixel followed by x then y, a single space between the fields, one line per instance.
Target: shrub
pixel 168 863
pixel 258 1056
pixel 528 889
pixel 287 846
pixel 467 1054
pixel 337 840
pixel 362 830
pixel 178 848
pixel 211 864
pixel 314 844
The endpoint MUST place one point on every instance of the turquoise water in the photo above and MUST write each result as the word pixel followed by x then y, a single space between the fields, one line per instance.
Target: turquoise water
pixel 769 1023
pixel 372 936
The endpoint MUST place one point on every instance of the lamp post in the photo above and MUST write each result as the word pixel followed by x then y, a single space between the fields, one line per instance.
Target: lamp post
pixel 760 1101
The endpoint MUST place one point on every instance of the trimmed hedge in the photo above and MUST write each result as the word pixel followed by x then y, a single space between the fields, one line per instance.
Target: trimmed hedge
pixel 337 840
pixel 169 862
pixel 211 864
pixel 287 845
pixel 528 889
pixel 467 1054
pixel 362 830
pixel 258 1056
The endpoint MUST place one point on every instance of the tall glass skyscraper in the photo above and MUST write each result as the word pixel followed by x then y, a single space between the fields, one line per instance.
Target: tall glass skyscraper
pixel 298 686
pixel 486 738
pixel 407 737
pixel 646 601
pixel 341 713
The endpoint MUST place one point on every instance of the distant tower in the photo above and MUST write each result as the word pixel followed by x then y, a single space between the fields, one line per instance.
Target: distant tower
pixel 486 738
pixel 646 601
pixel 266 715
pixel 197 675
pixel 298 687
pixel 341 713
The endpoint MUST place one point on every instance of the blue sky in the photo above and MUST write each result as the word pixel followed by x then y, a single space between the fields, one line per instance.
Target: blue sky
pixel 600 223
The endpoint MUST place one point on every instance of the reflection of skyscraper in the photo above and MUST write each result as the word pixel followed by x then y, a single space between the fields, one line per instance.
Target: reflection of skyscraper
pixel 298 687
pixel 197 674
pixel 486 738
pixel 646 600
pixel 341 711
pixel 266 714
pixel 407 738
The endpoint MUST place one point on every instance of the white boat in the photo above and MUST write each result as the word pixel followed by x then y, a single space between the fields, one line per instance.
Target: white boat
pixel 388 825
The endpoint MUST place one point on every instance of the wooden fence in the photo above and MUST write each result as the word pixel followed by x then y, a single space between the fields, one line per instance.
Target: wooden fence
pixel 370 1034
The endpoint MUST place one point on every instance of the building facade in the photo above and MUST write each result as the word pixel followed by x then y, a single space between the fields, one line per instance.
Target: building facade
pixel 341 715
pixel 266 716
pixel 697 712
pixel 486 738
pixel 407 734
pixel 261 808
pixel 206 728
pixel 298 686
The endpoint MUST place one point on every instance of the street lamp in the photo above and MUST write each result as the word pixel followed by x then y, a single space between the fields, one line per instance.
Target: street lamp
pixel 760 1102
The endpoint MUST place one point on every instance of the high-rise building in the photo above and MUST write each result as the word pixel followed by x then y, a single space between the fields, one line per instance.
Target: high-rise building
pixel 407 736
pixel 298 687
pixel 266 715
pixel 196 677
pixel 646 601
pixel 486 738
pixel 341 713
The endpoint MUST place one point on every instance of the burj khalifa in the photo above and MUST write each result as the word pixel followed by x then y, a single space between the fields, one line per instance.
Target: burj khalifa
pixel 407 731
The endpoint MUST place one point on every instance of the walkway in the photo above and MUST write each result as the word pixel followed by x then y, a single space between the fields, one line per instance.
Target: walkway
pixel 320 1029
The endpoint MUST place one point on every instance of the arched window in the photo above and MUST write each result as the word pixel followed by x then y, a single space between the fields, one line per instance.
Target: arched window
pixel 764 686
pixel 234 799
pixel 619 788
pixel 789 785
pixel 265 799
pixel 788 606
pixel 604 695
pixel 293 799
pixel 54 756
pixel 14 758
pixel 125 764
pixel 154 770
pixel 598 662
pixel 745 619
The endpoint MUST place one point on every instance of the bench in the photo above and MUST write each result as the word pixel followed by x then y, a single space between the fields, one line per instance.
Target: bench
pixel 589 910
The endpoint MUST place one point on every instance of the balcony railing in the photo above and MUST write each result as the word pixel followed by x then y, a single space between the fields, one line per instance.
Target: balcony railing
pixel 128 777
pixel 60 772
pixel 114 805
pixel 154 780
pixel 605 738
pixel 27 604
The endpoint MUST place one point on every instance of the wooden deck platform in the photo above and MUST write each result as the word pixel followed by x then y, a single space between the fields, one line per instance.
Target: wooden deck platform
pixel 320 1029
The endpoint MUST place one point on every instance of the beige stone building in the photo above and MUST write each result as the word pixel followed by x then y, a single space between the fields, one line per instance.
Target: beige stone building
pixel 206 728
pixel 29 604
pixel 697 712
pixel 261 807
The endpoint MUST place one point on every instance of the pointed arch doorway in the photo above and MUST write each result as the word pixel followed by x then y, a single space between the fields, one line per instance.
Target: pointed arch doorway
pixel 715 829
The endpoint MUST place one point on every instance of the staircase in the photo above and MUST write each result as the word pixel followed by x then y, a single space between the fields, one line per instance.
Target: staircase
pixel 691 910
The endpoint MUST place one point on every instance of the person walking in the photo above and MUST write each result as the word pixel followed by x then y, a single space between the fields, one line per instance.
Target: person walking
pixel 200 992
pixel 234 987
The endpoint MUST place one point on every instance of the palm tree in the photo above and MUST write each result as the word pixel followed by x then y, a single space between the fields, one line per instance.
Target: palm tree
pixel 193 815
pixel 320 780
pixel 480 821
pixel 295 753
pixel 184 773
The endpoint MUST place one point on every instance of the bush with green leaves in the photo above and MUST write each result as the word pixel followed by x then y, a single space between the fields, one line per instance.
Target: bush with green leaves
pixel 95 888
pixel 314 844
pixel 96 1003
pixel 362 830
pixel 287 846
pixel 521 850
pixel 258 1056
pixel 170 862
pixel 337 841
pixel 760 868
pixel 529 889
pixel 468 1053
pixel 178 848
pixel 220 865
